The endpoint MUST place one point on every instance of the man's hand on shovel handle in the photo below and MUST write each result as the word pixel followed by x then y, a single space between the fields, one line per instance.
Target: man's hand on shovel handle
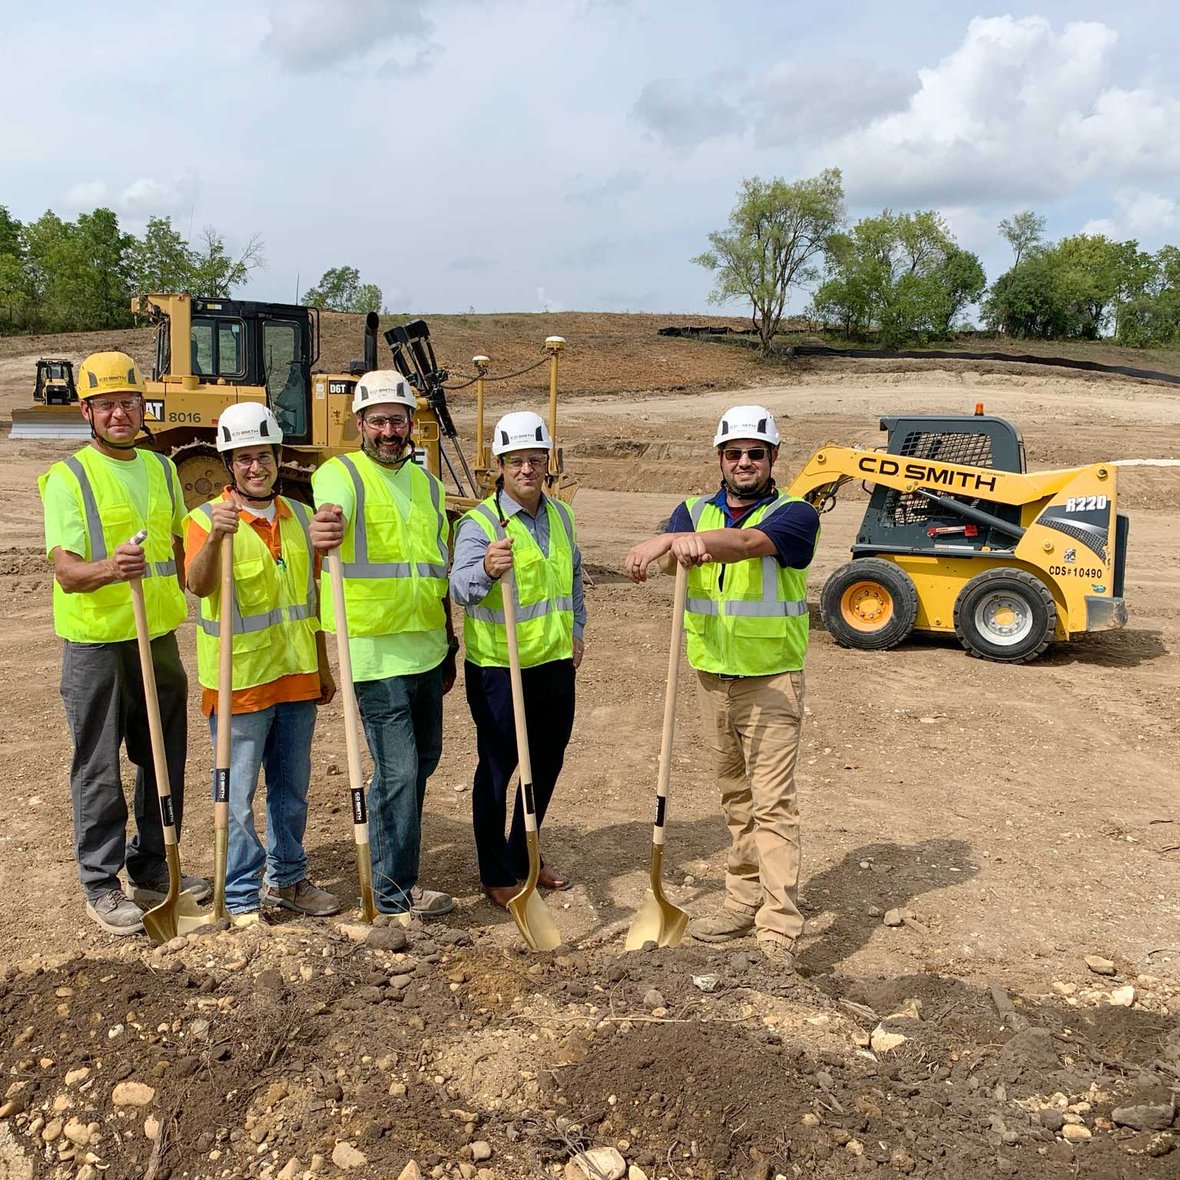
pixel 327 528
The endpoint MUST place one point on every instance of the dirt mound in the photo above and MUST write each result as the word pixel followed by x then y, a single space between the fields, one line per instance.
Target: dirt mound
pixel 233 1053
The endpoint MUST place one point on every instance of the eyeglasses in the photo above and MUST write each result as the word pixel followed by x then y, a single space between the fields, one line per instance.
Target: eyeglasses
pixel 245 462
pixel 516 462
pixel 102 405
pixel 733 454
pixel 380 421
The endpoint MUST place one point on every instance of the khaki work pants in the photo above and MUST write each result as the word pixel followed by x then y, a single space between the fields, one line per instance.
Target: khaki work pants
pixel 752 725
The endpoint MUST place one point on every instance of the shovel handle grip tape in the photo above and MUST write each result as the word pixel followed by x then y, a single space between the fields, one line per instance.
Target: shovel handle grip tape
pixel 530 804
pixel 508 595
pixel 139 537
pixel 151 699
pixel 360 812
pixel 221 785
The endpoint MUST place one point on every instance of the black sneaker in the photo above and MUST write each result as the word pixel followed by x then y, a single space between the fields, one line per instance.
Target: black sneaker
pixel 116 913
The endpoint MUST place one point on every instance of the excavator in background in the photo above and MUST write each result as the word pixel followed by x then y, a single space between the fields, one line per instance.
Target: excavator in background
pixel 959 537
pixel 213 353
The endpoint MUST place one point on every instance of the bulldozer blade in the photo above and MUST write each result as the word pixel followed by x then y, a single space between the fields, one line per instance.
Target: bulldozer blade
pixel 657 919
pixel 48 422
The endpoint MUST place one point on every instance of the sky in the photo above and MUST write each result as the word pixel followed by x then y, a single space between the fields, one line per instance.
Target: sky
pixel 525 155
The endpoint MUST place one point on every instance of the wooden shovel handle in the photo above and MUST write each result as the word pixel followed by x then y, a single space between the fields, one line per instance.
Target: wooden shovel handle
pixel 352 739
pixel 508 595
pixel 152 700
pixel 665 773
pixel 225 656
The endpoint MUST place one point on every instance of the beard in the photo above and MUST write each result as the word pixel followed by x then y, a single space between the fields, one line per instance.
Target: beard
pixel 384 453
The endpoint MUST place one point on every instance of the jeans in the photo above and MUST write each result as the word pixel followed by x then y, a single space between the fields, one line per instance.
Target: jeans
pixel 549 714
pixel 402 716
pixel 102 691
pixel 280 738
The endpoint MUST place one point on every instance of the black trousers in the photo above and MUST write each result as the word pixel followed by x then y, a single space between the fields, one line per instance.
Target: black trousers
pixel 549 713
pixel 102 690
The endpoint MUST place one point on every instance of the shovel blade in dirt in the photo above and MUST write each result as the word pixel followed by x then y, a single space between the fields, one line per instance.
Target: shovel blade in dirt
pixel 657 919
pixel 529 911
pixel 178 913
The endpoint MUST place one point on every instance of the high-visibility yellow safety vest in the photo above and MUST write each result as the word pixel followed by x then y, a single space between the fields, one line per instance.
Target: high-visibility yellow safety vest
pixel 110 518
pixel 273 613
pixel 395 570
pixel 544 592
pixel 744 618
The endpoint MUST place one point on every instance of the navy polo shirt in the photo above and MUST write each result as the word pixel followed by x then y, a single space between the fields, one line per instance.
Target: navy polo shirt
pixel 793 529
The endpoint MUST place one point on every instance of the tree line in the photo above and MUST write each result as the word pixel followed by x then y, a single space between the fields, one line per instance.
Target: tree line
pixel 901 278
pixel 75 276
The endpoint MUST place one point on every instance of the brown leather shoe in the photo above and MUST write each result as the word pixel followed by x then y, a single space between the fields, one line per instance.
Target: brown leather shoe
pixel 500 895
pixel 552 879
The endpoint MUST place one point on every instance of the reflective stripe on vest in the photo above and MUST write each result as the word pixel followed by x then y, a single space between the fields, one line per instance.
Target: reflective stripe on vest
pixel 745 618
pixel 247 624
pixel 770 606
pixel 361 566
pixel 382 596
pixel 274 636
pixel 545 582
pixel 98 545
pixel 109 515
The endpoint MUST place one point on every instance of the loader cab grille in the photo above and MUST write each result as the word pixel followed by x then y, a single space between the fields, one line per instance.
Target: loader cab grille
pixel 900 521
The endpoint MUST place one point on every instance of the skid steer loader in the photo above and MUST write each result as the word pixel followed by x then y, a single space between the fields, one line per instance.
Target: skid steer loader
pixel 959 537
pixel 212 353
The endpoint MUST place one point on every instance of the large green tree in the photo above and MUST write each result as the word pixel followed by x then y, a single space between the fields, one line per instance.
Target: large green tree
pixel 1023 232
pixel 777 232
pixel 901 274
pixel 340 289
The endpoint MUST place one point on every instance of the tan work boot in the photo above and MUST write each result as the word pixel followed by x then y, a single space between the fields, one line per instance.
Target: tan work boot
pixel 781 954
pixel 722 926
pixel 303 897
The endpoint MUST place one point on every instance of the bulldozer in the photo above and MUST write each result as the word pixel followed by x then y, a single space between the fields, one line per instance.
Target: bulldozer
pixel 54 385
pixel 212 353
pixel 958 537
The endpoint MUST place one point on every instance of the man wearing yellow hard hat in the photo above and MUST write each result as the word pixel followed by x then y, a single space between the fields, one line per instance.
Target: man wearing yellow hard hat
pixel 94 502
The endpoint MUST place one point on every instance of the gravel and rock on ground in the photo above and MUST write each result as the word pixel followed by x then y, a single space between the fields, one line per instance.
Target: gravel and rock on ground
pixel 1018 1015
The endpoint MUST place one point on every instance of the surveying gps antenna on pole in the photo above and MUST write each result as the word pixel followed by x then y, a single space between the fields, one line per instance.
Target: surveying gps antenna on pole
pixel 414 357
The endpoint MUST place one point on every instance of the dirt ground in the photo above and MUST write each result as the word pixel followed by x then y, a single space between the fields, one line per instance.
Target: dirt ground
pixel 1022 818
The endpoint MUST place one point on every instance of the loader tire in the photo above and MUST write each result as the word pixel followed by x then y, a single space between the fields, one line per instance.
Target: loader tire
pixel 1006 615
pixel 869 604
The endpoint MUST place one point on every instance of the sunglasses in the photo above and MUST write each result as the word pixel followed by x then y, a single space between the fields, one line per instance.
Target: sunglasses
pixel 733 454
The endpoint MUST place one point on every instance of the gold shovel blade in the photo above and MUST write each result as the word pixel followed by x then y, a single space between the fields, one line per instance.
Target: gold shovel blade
pixel 220 861
pixel 657 920
pixel 534 920
pixel 178 913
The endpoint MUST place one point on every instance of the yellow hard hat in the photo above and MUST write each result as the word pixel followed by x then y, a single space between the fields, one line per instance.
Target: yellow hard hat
pixel 109 372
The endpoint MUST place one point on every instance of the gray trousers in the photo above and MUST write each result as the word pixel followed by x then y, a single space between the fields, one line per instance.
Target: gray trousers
pixel 102 690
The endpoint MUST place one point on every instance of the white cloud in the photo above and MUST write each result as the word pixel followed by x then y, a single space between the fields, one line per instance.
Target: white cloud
pixel 793 100
pixel 1016 112
pixel 149 197
pixel 86 195
pixel 603 190
pixel 309 36
pixel 1137 214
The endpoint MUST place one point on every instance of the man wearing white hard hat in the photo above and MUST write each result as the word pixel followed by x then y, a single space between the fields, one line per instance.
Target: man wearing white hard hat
pixel 747 549
pixel 280 665
pixel 387 517
pixel 518 528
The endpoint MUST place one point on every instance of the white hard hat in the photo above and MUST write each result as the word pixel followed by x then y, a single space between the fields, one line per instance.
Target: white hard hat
pixel 382 387
pixel 519 431
pixel 247 424
pixel 746 422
